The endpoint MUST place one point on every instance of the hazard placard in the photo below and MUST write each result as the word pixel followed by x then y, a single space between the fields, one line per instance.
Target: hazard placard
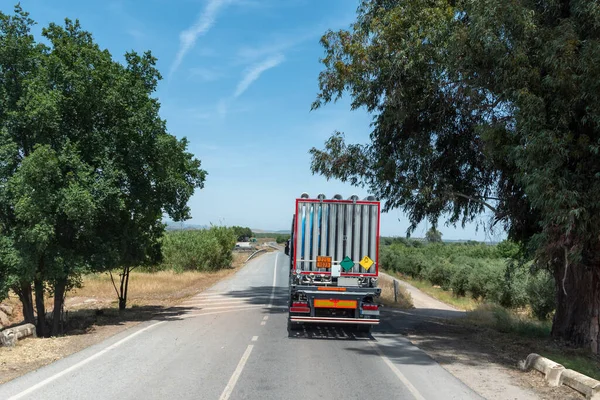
pixel 323 262
pixel 366 262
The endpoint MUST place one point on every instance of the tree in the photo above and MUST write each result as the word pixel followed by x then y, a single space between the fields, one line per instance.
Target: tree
pixel 481 106
pixel 433 235
pixel 88 167
pixel 243 234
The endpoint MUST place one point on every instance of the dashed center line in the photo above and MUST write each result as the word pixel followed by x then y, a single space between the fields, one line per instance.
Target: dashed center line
pixel 266 317
pixel 236 374
pixel 254 338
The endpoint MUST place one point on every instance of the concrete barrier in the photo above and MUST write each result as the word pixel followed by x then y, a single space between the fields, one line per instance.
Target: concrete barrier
pixel 582 383
pixel 9 337
pixel 557 375
pixel 549 368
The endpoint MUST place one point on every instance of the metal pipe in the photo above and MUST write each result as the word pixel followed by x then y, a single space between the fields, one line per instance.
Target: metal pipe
pixel 323 230
pixel 331 213
pixel 364 230
pixel 373 233
pixel 339 246
pixel 315 236
pixel 347 238
pixel 305 195
pixel 337 197
pixel 307 227
pixel 299 234
pixel 357 233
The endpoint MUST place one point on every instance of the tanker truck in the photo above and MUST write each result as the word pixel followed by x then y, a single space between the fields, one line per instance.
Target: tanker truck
pixel 334 262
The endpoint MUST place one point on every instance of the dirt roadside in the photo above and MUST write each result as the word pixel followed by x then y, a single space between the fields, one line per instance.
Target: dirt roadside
pixel 93 317
pixel 484 360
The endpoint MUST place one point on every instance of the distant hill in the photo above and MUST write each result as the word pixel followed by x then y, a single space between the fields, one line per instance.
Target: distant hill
pixel 179 226
pixel 270 231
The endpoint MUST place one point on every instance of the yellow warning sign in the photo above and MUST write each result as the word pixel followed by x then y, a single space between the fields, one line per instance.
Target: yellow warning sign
pixel 366 262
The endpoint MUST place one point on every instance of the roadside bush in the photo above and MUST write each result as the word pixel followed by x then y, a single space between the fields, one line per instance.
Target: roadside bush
pixel 486 273
pixel 484 280
pixel 440 273
pixel 200 250
pixel 542 292
pixel 460 281
pixel 512 290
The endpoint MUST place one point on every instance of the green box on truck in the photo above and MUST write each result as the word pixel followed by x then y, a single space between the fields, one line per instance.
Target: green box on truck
pixel 334 262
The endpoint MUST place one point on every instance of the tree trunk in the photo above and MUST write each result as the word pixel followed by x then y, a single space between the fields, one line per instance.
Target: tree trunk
pixel 26 296
pixel 577 317
pixel 124 287
pixel 42 329
pixel 59 297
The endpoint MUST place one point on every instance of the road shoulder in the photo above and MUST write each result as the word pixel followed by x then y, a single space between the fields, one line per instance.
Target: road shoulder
pixel 474 355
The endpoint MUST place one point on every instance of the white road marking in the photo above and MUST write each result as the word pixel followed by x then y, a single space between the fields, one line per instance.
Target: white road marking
pixel 274 281
pixel 254 338
pixel 263 323
pixel 413 390
pixel 266 317
pixel 81 363
pixel 236 374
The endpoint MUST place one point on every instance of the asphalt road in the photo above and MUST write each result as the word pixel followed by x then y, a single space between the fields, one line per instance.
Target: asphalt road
pixel 231 342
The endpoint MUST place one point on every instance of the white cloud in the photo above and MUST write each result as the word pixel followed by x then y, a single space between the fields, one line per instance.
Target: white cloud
pixel 254 73
pixel 187 38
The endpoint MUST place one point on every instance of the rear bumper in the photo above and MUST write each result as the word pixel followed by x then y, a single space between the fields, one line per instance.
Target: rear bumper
pixel 334 320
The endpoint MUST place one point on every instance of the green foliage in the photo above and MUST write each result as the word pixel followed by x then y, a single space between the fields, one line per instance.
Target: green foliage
pixel 433 235
pixel 460 280
pixel 480 106
pixel 475 270
pixel 542 294
pixel 278 237
pixel 88 168
pixel 200 250
pixel 440 272
pixel 282 238
pixel 242 233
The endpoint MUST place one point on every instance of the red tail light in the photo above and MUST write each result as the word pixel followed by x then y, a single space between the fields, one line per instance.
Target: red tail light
pixel 370 307
pixel 300 307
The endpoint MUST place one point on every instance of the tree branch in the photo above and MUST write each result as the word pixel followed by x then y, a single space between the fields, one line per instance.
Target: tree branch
pixel 477 200
pixel 114 285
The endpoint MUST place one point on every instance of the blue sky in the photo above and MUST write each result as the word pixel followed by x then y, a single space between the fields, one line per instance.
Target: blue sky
pixel 239 79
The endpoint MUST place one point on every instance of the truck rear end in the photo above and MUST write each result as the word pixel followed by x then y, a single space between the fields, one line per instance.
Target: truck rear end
pixel 334 262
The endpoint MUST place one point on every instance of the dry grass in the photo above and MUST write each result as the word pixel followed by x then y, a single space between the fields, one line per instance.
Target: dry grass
pixel 151 288
pixel 387 295
pixel 148 293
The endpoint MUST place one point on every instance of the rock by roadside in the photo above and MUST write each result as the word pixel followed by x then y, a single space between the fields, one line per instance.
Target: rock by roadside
pixel 6 309
pixel 4 321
